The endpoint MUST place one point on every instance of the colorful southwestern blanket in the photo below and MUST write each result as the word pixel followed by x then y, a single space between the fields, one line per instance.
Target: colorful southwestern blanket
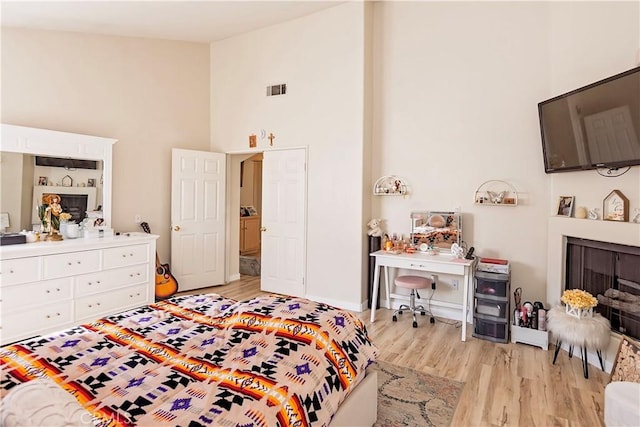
pixel 203 360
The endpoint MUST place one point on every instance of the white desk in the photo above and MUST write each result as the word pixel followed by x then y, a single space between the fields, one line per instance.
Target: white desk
pixel 441 263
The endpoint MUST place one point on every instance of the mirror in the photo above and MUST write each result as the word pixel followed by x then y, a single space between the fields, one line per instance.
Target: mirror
pixel 438 230
pixel 25 180
pixel 76 167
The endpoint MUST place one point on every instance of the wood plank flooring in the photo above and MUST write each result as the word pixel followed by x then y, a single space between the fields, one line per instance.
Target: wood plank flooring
pixel 505 384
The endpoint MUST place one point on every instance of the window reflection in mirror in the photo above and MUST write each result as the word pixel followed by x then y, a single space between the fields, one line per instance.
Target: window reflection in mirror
pixel 439 230
pixel 22 184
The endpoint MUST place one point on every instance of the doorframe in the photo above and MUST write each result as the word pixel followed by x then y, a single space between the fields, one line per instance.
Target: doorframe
pixel 233 191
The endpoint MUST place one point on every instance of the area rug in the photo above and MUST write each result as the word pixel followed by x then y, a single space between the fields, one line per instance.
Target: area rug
pixel 407 397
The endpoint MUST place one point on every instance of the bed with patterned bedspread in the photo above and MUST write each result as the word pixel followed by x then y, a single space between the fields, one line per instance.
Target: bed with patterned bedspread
pixel 203 360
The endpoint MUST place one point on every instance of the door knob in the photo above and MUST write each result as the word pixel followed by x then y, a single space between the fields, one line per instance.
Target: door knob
pixel 263 228
pixel 176 228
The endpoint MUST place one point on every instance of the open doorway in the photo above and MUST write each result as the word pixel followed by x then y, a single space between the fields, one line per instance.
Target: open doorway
pixel 250 243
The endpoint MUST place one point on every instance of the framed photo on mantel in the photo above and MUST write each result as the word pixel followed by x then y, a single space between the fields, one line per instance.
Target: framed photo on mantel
pixel 615 207
pixel 565 206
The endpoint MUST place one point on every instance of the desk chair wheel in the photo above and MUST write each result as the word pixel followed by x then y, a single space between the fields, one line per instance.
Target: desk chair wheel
pixel 432 320
pixel 415 324
pixel 395 318
pixel 423 313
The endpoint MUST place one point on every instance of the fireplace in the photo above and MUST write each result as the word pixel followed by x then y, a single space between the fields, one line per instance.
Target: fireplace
pixel 75 200
pixel 611 272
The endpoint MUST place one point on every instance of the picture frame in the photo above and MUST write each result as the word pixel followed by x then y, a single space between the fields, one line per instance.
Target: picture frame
pixel 43 180
pixel 615 207
pixel 252 211
pixel 565 206
pixel 91 182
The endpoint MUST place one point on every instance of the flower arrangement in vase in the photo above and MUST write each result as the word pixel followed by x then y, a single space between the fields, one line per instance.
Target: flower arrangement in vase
pixel 578 303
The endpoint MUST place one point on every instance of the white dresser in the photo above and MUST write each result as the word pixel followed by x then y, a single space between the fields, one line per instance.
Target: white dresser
pixel 47 286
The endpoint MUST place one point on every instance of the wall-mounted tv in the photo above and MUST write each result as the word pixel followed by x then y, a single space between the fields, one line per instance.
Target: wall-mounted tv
pixel 595 126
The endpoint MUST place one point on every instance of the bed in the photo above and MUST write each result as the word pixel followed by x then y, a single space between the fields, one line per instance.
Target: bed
pixel 201 360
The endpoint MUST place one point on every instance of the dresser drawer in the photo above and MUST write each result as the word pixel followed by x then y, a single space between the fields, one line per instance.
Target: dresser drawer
pixel 125 255
pixel 70 264
pixel 88 284
pixel 36 320
pixel 19 270
pixel 94 306
pixel 48 291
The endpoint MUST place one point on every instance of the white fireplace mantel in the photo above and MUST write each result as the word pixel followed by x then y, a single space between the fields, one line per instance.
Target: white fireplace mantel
pixel 623 233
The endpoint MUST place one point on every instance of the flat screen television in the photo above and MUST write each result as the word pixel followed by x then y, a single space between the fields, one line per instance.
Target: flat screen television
pixel 595 126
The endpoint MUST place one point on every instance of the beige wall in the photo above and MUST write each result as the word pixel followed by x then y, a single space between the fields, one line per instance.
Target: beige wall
pixel 321 59
pixel 455 87
pixel 151 95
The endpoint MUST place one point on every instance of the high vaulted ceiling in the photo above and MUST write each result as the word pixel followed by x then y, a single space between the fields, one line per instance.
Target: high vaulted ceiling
pixel 195 21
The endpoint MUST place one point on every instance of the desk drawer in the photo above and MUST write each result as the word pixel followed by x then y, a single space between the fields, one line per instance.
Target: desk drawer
pixel 19 270
pixel 426 263
pixel 70 264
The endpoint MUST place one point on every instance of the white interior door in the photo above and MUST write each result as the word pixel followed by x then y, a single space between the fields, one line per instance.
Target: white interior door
pixel 284 186
pixel 197 218
pixel 611 135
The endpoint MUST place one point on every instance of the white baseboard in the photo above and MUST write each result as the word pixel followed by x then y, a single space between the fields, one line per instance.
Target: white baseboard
pixel 337 303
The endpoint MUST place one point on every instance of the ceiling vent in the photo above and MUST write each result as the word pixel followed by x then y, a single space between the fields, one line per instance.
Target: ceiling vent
pixel 274 90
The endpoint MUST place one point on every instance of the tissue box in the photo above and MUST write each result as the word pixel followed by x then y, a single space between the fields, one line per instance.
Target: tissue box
pixel 12 239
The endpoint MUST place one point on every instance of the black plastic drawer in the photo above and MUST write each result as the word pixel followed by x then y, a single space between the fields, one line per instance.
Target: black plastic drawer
pixel 492 284
pixel 492 330
pixel 488 307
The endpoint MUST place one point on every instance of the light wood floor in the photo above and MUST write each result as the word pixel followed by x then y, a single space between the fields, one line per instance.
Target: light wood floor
pixel 505 384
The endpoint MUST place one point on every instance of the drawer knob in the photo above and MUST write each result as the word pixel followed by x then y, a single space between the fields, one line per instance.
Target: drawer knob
pixel 57 289
pixel 48 291
pixel 97 303
pixel 124 255
pixel 69 263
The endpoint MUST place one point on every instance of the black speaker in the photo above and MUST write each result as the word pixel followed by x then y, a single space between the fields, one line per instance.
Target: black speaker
pixel 375 243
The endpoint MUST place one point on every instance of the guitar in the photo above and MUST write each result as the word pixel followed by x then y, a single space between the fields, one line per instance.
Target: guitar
pixel 166 284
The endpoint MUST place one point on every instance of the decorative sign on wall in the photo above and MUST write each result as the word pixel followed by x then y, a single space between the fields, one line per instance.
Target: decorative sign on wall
pixel 615 207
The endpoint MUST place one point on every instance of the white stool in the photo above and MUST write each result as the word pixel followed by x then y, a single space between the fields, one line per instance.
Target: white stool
pixel 587 332
pixel 414 283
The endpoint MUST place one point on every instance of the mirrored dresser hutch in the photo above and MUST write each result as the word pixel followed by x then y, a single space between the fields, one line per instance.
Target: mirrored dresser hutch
pixel 49 285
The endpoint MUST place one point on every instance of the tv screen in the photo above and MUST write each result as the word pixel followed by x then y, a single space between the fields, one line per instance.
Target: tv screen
pixel 596 126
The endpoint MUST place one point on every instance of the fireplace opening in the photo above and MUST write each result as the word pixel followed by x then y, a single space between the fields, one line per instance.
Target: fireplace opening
pixel 610 272
pixel 76 205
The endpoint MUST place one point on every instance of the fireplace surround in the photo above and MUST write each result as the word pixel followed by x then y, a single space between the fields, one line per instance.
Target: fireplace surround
pixel 559 228
pixel 611 272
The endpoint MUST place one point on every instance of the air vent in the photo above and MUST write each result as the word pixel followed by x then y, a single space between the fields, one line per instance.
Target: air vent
pixel 274 90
